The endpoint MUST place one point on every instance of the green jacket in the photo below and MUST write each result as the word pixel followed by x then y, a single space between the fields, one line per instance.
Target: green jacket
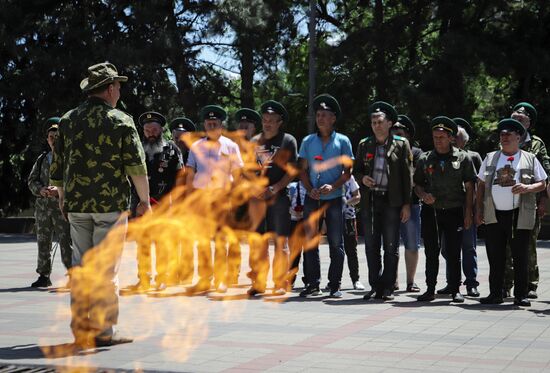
pixel 98 147
pixel 399 168
pixel 39 178
pixel 444 177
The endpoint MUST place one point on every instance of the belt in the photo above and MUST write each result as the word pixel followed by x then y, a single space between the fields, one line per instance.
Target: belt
pixel 380 193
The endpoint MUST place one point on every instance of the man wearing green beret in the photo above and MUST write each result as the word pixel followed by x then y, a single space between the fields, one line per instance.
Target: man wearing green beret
pixel 469 236
pixel 325 160
pixel 276 153
pixel 48 217
pixel 214 164
pixel 248 120
pixel 509 180
pixel 179 128
pixel 164 160
pixel 383 166
pixel 526 114
pixel 98 148
pixel 444 180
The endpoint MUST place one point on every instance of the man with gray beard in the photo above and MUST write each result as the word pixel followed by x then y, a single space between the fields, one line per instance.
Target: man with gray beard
pixel 163 159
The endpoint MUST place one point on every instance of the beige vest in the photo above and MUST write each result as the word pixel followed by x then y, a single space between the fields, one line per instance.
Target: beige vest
pixel 527 201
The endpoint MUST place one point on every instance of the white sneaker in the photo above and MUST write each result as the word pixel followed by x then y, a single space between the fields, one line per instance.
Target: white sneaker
pixel 336 294
pixel 357 285
pixel 280 291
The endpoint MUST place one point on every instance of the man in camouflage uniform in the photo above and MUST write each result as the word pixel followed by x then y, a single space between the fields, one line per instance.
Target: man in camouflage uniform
pixel 526 114
pixel 47 214
pixel 164 160
pixel 98 148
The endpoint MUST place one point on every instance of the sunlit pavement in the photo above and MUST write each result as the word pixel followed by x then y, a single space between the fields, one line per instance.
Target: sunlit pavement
pixel 229 332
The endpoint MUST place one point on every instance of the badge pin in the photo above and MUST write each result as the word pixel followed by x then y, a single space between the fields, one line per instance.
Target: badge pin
pixel 456 165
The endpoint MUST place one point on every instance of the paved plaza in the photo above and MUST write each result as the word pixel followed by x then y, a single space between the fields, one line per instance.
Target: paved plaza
pixel 231 333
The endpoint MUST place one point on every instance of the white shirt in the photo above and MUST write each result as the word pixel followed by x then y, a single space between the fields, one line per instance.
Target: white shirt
pixel 213 162
pixel 350 187
pixel 507 174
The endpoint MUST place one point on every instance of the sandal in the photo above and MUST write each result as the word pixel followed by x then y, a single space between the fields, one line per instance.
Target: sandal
pixel 413 288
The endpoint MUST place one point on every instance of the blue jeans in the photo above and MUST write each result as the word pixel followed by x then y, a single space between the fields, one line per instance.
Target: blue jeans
pixel 381 222
pixel 335 232
pixel 469 256
pixel 410 231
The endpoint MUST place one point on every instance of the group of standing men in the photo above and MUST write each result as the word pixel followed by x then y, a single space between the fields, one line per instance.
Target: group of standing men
pixel 402 192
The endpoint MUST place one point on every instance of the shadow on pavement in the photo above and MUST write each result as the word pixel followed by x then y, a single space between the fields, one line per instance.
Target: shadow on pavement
pixel 16 238
pixel 24 289
pixel 32 351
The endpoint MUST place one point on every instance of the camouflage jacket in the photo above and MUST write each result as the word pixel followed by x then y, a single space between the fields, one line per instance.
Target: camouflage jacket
pixel 536 146
pixel 98 147
pixel 39 178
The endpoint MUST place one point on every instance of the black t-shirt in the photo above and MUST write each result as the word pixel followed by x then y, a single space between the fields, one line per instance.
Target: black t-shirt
pixel 274 154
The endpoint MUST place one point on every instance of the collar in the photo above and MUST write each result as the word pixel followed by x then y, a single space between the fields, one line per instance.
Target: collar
pixel 332 135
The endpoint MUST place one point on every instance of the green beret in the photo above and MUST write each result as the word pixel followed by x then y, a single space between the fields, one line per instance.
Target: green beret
pixel 328 103
pixel 99 75
pixel 383 107
pixel 152 116
pixel 248 115
pixel 406 123
pixel 274 107
pixel 464 124
pixel 52 124
pixel 212 112
pixel 528 109
pixel 509 125
pixel 182 124
pixel 443 123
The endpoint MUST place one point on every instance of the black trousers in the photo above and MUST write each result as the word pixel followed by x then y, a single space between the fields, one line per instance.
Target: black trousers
pixel 498 235
pixel 350 247
pixel 438 225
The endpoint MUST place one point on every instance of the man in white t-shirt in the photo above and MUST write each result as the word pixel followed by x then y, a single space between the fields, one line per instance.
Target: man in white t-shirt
pixel 213 165
pixel 506 203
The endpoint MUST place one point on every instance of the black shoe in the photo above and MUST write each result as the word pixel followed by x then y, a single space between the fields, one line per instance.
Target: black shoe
pixel 42 282
pixel 523 302
pixel 199 287
pixel 491 299
pixel 369 294
pixel 458 298
pixel 506 293
pixel 111 341
pixel 532 294
pixel 472 291
pixel 445 291
pixel 311 290
pixel 428 296
pixel 396 286
pixel 387 295
pixel 252 292
pixel 141 286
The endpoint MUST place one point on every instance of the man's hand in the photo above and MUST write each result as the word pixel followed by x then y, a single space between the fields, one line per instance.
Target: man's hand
pixel 428 199
pixel 520 188
pixel 326 189
pixel 315 194
pixel 368 181
pixel 479 218
pixel 52 192
pixel 405 213
pixel 142 208
pixel 44 191
pixel 541 208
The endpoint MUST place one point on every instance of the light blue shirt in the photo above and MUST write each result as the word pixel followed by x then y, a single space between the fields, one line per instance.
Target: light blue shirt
pixel 317 154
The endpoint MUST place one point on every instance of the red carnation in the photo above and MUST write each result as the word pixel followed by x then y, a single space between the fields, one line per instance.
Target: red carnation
pixel 430 170
pixel 370 156
pixel 318 158
pixel 511 159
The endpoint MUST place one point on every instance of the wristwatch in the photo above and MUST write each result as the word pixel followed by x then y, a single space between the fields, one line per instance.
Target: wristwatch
pixel 271 189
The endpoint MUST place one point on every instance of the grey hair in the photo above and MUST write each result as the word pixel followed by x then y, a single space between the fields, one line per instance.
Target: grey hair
pixel 464 134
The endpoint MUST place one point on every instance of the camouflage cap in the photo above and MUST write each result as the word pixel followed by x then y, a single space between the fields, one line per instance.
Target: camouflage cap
pixel 406 123
pixel 99 75
pixel 383 107
pixel 150 117
pixel 182 124
pixel 510 125
pixel 248 115
pixel 274 107
pixel 328 103
pixel 52 124
pixel 443 123
pixel 212 112
pixel 528 109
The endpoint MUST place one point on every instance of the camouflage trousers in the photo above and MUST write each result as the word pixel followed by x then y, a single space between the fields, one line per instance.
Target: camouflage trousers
pixel 49 221
pixel 533 266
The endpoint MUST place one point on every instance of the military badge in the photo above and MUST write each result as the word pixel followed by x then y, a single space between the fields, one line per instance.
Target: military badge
pixel 456 164
pixel 505 177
